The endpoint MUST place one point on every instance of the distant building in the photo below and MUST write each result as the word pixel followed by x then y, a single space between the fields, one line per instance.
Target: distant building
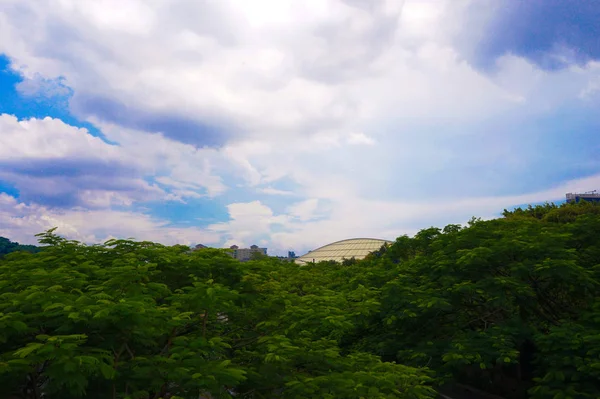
pixel 199 246
pixel 244 254
pixel 590 196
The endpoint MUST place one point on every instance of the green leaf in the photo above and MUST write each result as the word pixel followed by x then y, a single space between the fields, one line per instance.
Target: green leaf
pixel 107 371
pixel 29 349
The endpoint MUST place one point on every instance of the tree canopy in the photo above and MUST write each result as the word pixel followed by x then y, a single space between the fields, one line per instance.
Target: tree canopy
pixel 507 306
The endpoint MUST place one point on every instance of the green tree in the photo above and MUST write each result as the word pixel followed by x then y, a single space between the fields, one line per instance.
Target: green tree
pixel 489 305
pixel 509 306
pixel 140 320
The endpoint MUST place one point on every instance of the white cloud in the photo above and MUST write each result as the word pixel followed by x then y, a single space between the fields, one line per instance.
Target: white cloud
pixel 304 210
pixel 272 68
pixel 48 158
pixel 49 139
pixel 179 165
pixel 248 223
pixel 296 69
pixel 38 86
pixel 355 104
pixel 21 221
pixel 276 72
pixel 275 191
pixel 372 218
pixel 360 138
pixel 51 162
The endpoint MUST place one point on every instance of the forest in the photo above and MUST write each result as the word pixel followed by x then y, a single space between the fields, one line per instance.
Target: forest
pixel 508 306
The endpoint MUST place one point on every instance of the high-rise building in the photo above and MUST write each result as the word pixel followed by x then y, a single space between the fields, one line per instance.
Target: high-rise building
pixel 590 196
pixel 244 254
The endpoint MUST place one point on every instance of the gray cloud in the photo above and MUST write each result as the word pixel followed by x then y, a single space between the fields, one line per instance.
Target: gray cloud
pixel 66 183
pixel 553 34
pixel 178 127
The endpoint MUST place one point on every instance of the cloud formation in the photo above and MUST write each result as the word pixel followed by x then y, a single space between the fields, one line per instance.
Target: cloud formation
pixel 304 122
pixel 20 221
pixel 59 165
pixel 553 34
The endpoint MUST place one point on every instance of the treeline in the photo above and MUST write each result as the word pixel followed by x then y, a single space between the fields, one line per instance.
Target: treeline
pixel 7 246
pixel 508 306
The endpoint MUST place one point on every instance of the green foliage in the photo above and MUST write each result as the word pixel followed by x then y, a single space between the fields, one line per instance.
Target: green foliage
pixel 105 320
pixel 141 320
pixel 508 306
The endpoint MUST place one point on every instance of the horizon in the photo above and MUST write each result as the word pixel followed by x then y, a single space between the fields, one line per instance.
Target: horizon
pixel 286 254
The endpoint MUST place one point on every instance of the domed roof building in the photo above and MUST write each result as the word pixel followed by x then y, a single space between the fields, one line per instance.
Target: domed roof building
pixel 357 248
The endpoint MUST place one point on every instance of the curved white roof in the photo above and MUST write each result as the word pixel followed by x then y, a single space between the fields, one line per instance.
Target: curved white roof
pixel 357 248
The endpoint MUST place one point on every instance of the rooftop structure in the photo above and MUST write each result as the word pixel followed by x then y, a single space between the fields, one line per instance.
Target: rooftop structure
pixel 357 248
pixel 590 196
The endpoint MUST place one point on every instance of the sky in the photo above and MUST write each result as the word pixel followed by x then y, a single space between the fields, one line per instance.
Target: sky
pixel 290 124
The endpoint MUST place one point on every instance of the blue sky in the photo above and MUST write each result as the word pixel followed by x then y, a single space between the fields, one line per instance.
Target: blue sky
pixel 290 125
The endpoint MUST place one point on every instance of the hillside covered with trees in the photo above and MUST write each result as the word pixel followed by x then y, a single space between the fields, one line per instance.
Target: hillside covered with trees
pixel 508 306
pixel 7 246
